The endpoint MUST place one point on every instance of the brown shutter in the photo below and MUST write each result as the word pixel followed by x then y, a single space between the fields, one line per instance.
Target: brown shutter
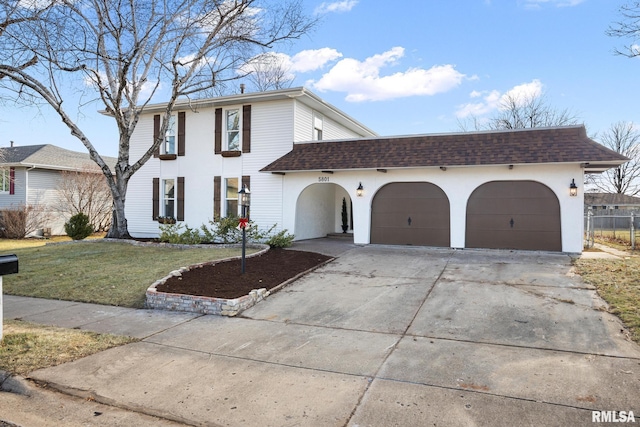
pixel 246 182
pixel 180 215
pixel 12 180
pixel 217 182
pixel 181 132
pixel 246 128
pixel 156 198
pixel 156 133
pixel 217 132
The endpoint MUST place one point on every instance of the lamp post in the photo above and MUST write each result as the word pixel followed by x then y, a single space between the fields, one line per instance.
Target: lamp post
pixel 245 200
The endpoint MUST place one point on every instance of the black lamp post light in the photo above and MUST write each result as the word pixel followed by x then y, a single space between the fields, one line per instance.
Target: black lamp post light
pixel 245 200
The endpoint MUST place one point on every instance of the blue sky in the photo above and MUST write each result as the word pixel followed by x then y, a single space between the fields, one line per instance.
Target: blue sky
pixel 420 66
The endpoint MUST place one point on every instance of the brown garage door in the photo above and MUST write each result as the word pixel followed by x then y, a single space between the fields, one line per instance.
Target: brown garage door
pixel 410 213
pixel 513 215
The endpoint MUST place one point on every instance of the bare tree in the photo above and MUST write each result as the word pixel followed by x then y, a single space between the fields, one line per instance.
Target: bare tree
pixel 85 191
pixel 623 138
pixel 521 112
pixel 128 51
pixel 628 28
pixel 268 71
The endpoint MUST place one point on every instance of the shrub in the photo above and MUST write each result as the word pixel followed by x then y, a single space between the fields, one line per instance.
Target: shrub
pixel 78 227
pixel 19 221
pixel 281 239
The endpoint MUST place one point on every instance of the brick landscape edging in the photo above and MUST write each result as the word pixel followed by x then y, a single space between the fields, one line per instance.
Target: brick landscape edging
pixel 200 304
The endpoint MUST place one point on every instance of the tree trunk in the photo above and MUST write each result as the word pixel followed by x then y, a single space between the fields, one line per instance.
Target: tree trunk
pixel 118 229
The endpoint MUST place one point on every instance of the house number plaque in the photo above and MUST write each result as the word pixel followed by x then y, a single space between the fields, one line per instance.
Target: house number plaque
pixel 323 179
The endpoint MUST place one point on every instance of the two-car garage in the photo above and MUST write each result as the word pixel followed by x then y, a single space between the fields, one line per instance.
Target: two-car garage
pixel 499 215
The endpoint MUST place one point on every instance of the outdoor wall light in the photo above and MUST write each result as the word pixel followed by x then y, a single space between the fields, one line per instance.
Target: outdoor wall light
pixel 360 190
pixel 573 188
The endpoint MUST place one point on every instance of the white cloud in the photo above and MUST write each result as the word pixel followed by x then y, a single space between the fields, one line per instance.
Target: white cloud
pixel 361 80
pixel 311 60
pixel 336 6
pixel 537 4
pixel 494 100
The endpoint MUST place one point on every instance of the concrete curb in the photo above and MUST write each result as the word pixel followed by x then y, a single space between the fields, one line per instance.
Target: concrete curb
pixel 14 384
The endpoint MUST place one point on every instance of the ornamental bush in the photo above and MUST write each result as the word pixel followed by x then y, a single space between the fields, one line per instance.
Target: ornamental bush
pixel 78 227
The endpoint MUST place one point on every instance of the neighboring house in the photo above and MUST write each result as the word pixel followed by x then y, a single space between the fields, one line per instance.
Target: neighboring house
pixel 30 174
pixel 599 202
pixel 300 157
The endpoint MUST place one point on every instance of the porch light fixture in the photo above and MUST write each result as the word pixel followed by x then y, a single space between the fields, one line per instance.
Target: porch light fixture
pixel 360 190
pixel 573 188
pixel 244 196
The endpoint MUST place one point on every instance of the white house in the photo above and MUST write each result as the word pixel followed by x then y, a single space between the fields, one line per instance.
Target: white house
pixel 300 157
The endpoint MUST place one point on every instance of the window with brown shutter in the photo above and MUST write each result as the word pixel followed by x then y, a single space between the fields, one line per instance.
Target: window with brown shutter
pixel 12 180
pixel 217 182
pixel 156 133
pixel 156 198
pixel 217 132
pixel 180 213
pixel 246 128
pixel 181 133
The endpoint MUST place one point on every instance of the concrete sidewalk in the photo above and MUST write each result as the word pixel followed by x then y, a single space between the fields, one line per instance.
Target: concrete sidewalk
pixel 380 336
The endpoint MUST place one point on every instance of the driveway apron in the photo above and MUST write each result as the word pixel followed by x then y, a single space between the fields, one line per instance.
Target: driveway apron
pixel 385 336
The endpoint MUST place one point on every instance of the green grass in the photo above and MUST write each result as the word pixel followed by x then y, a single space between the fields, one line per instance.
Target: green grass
pixel 110 273
pixel 618 283
pixel 26 347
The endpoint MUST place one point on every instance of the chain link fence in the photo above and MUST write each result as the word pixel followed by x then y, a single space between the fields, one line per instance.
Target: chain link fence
pixel 612 224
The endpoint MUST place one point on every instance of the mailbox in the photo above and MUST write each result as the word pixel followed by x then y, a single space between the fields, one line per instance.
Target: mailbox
pixel 8 264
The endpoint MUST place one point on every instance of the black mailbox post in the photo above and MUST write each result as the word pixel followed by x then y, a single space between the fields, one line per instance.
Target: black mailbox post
pixel 8 265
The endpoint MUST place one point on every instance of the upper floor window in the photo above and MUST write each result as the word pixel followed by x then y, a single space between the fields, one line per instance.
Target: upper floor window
pixel 169 144
pixel 317 127
pixel 5 180
pixel 232 128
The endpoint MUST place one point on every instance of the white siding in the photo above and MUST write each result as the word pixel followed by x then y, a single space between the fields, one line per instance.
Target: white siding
pixel 138 207
pixel 12 200
pixel 303 122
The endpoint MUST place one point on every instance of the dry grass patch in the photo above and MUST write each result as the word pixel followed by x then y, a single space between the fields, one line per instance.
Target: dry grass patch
pixel 27 347
pixel 618 283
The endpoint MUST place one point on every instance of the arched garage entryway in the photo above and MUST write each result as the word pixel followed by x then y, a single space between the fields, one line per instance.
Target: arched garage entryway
pixel 513 215
pixel 410 213
pixel 318 211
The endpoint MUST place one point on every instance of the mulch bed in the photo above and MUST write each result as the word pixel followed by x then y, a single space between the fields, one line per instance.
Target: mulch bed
pixel 225 279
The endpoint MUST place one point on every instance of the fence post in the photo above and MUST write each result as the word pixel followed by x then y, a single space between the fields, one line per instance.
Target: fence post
pixel 633 231
pixel 590 231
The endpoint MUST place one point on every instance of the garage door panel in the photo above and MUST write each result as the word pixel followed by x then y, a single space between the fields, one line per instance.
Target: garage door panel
pixel 425 204
pixel 520 222
pixel 513 215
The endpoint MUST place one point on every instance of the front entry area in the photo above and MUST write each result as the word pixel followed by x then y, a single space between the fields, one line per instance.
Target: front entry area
pixel 513 215
pixel 410 213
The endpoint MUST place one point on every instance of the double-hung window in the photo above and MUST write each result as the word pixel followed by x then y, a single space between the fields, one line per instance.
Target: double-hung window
pixel 169 145
pixel 168 198
pixel 5 180
pixel 231 196
pixel 232 129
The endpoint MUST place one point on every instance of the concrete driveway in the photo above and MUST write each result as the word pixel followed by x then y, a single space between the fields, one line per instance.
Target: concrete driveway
pixel 385 336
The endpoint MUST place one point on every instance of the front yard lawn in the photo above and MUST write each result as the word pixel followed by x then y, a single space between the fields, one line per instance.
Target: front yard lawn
pixel 102 272
pixel 618 283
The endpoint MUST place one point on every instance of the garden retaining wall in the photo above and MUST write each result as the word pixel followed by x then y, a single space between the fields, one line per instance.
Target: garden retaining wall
pixel 204 305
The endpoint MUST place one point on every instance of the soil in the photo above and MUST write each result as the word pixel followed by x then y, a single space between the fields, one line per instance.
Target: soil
pixel 225 279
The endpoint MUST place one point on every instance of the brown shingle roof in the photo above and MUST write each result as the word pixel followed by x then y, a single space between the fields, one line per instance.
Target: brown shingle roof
pixel 600 199
pixel 525 146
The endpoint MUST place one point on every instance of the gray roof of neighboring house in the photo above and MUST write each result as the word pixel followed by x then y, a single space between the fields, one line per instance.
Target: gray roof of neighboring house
pixel 47 156
pixel 523 146
pixel 610 199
